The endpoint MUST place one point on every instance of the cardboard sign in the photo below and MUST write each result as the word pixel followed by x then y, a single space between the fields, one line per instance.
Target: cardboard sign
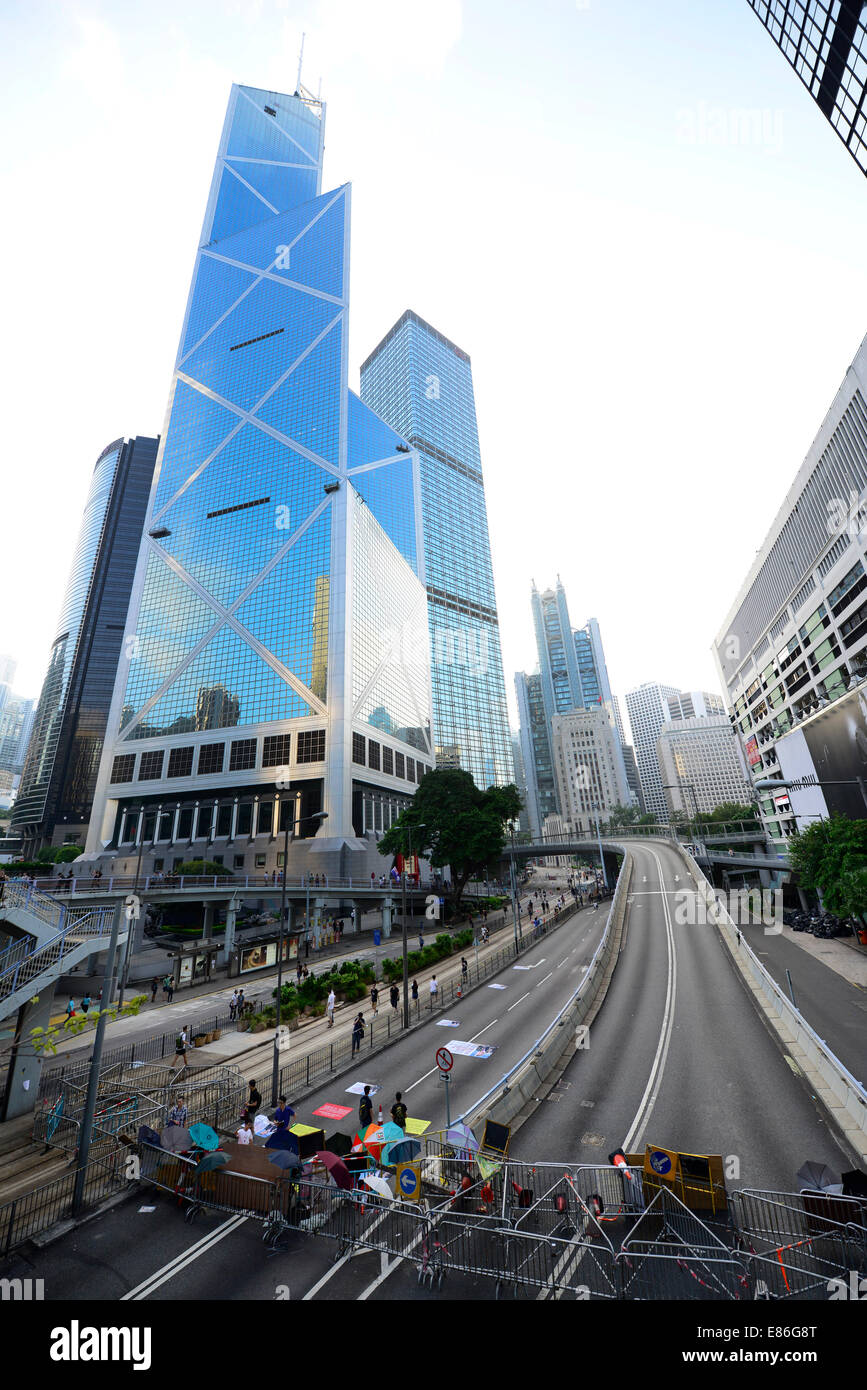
pixel 333 1112
pixel 448 1023
pixel 357 1088
pixel 417 1126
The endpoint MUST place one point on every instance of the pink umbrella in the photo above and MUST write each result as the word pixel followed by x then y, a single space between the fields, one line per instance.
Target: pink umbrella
pixel 336 1167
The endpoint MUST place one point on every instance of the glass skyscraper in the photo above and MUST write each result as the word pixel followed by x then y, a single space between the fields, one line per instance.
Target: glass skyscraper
pixel 422 384
pixel 58 780
pixel 276 660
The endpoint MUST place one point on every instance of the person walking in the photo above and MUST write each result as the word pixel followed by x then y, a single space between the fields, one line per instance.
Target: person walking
pixel 299 971
pixel 181 1047
pixel 241 1002
pixel 394 996
pixel 399 1111
pixel 329 1008
pixel 374 999
pixel 434 988
pixel 465 970
pixel 365 1111
pixel 414 991
pixel 70 1009
pixel 233 1006
pixel 155 984
pixel 85 1004
pixel 357 1033
pixel 420 942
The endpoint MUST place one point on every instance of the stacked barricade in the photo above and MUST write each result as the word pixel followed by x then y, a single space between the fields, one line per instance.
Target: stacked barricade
pixel 797 1244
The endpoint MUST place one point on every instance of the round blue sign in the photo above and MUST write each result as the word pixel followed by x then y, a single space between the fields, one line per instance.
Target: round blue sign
pixel 408 1181
pixel 660 1162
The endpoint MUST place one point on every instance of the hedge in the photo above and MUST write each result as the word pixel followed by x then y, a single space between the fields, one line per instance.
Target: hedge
pixel 442 946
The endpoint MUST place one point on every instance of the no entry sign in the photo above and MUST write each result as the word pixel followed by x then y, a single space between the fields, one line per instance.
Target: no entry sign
pixel 444 1059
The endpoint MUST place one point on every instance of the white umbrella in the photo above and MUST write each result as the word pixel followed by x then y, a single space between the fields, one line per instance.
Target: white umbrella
pixel 377 1183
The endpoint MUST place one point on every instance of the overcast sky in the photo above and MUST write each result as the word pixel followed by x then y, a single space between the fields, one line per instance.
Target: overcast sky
pixel 631 215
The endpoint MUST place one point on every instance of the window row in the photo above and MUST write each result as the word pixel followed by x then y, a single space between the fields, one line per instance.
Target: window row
pixel 368 753
pixel 276 750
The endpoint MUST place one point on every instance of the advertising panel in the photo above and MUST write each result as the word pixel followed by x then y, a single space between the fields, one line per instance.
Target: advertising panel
pixel 265 953
pixel 832 748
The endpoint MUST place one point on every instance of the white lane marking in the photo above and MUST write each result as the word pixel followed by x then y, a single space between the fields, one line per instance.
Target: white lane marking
pixel 654 1081
pixel 420 1080
pixel 564 961
pixel 547 977
pixel 518 1001
pixel 168 1271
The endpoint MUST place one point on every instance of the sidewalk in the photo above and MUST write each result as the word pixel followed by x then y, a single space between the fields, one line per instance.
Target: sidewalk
pixel 154 1020
pixel 845 957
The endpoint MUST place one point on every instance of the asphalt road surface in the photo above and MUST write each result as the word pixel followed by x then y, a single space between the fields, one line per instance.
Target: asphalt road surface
pixel 678 1057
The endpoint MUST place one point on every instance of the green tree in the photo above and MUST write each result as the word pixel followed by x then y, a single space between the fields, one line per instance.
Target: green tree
pixel 462 826
pixel 622 815
pixel 830 856
pixel 647 819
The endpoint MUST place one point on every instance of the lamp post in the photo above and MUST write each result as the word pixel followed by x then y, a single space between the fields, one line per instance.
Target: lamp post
pixel 275 1066
pixel 513 885
pixel 409 830
pixel 133 921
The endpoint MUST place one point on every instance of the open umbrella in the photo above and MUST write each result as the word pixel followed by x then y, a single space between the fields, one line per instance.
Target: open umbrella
pixel 146 1135
pixel 818 1177
pixel 401 1151
pixel 377 1183
pixel 282 1139
pixel 339 1144
pixel 214 1158
pixel 176 1139
pixel 337 1169
pixel 204 1137
pixel 460 1136
pixel 284 1158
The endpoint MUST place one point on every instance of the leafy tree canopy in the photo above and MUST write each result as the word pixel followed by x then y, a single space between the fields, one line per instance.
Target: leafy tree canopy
pixel 830 856
pixel 452 822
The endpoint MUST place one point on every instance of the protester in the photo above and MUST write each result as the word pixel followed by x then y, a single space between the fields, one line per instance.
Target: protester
pixel 357 1033
pixel 254 1100
pixel 178 1115
pixel 365 1110
pixel 329 1008
pixel 399 1111
pixel 181 1047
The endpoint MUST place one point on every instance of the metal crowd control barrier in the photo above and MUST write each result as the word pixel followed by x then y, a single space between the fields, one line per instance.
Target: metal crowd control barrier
pixel 671 1254
pixel 796 1244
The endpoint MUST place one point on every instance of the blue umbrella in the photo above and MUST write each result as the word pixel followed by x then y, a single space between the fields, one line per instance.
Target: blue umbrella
pixel 214 1159
pixel 401 1151
pixel 204 1137
pixel 284 1158
pixel 282 1139
pixel 149 1136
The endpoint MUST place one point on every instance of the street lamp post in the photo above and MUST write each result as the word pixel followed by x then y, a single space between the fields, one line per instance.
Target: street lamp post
pixel 513 885
pixel 409 830
pixel 133 927
pixel 275 1066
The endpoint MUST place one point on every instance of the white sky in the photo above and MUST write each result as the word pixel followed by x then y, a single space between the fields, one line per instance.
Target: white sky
pixel 660 299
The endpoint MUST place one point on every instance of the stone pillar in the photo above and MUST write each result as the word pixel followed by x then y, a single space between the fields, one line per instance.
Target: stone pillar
pixel 225 954
pixel 386 918
pixel 25 1069
pixel 207 920
pixel 318 913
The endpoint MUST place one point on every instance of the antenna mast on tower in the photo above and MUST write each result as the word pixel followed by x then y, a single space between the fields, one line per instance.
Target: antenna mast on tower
pixel 300 61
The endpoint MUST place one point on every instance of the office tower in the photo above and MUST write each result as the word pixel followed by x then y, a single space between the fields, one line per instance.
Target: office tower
pixel 541 797
pixel 695 704
pixel 588 766
pixel 648 711
pixel 795 639
pixel 58 780
pixel 422 384
pixel 16 722
pixel 8 667
pixel 633 779
pixel 520 780
pixel 572 675
pixel 826 43
pixel 280 668
pixel 701 764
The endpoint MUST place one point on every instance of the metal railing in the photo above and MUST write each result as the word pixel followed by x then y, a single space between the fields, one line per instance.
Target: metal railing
pixel 36 1211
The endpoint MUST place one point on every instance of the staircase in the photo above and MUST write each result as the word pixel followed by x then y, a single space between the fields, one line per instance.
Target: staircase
pixel 57 938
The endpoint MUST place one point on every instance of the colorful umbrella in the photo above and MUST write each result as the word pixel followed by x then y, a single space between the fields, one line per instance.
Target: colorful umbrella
pixel 176 1139
pixel 204 1137
pixel 460 1136
pixel 212 1159
pixel 401 1150
pixel 337 1169
pixel 377 1183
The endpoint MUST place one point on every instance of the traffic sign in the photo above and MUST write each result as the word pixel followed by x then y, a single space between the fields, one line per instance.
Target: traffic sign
pixel 444 1059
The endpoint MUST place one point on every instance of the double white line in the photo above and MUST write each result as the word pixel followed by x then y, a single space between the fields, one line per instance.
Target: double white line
pixel 168 1271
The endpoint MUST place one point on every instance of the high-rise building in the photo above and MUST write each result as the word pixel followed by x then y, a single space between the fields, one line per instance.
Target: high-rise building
pixel 8 667
pixel 422 384
pixel 16 723
pixel 648 710
pixel 633 779
pixel 795 639
pixel 695 704
pixel 572 675
pixel 701 764
pixel 58 780
pixel 588 766
pixel 826 43
pixel 281 665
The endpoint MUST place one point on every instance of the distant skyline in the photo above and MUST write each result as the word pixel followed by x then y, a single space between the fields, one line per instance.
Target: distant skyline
pixel 632 218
